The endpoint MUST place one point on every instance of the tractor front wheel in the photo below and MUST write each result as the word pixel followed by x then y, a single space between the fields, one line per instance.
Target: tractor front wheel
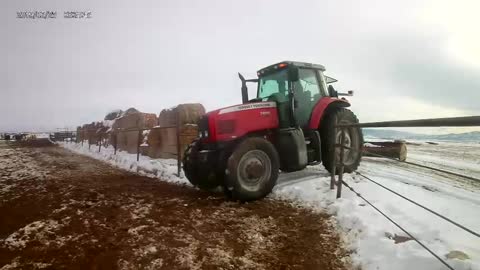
pixel 202 177
pixel 353 141
pixel 252 170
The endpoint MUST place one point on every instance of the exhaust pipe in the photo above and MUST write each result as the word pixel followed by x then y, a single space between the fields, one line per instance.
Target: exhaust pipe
pixel 245 88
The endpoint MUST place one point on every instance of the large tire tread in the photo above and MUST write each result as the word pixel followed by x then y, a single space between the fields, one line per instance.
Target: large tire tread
pixel 197 176
pixel 232 187
pixel 328 139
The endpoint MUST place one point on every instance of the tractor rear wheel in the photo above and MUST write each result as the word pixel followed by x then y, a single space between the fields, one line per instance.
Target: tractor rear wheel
pixel 252 170
pixel 353 140
pixel 197 175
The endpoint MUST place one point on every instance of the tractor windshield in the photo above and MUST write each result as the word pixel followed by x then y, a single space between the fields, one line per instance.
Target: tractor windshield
pixel 275 83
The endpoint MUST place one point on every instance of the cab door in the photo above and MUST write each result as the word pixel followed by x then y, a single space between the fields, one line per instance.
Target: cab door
pixel 307 92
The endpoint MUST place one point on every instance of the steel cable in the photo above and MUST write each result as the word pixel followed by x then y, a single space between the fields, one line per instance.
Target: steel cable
pixel 426 167
pixel 419 205
pixel 400 227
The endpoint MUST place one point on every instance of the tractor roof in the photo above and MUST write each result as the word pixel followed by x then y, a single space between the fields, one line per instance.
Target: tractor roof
pixel 289 63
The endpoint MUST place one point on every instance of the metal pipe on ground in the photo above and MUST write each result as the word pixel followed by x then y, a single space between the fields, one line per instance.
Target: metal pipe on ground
pixel 467 121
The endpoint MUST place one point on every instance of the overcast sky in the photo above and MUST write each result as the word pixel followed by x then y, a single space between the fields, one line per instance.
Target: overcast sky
pixel 404 59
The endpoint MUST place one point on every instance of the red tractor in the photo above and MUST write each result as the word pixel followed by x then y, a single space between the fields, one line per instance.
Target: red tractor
pixel 289 125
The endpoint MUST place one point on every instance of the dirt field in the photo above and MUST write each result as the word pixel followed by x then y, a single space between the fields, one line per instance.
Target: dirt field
pixel 62 210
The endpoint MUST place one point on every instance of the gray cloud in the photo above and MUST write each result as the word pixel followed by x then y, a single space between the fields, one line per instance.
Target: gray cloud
pixel 156 54
pixel 424 73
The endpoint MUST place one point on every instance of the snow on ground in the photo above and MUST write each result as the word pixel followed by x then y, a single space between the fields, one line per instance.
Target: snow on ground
pixel 42 135
pixel 165 169
pixel 372 237
pixel 461 158
pixel 18 165
pixel 40 231
pixel 374 241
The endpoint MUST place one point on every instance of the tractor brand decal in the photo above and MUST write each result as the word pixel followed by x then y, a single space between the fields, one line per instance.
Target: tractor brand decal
pixel 248 107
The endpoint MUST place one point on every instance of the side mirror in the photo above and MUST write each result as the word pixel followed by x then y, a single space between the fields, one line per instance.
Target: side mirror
pixel 293 74
pixel 348 94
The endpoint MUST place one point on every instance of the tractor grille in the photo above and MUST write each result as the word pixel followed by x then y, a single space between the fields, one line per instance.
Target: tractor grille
pixel 203 127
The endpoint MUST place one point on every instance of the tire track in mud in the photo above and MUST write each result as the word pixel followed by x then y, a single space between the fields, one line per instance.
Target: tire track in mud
pixel 62 210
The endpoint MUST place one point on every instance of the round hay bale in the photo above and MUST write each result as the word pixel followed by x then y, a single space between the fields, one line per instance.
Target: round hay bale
pixel 150 120
pixel 113 115
pixel 188 114
pixel 130 111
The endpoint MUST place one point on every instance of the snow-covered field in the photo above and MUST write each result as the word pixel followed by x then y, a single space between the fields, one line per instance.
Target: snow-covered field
pixel 376 243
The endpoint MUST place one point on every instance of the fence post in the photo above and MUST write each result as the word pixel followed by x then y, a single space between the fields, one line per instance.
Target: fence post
pixel 342 166
pixel 115 138
pixel 138 144
pixel 99 142
pixel 89 140
pixel 179 150
pixel 334 155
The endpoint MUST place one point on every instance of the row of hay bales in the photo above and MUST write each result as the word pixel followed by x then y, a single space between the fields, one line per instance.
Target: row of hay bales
pixel 157 135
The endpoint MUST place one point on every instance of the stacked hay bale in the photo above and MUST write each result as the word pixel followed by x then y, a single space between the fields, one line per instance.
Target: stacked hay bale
pixel 93 132
pixel 188 113
pixel 128 127
pixel 80 134
pixel 113 115
pixel 126 130
pixel 162 140
pixel 108 122
pixel 90 132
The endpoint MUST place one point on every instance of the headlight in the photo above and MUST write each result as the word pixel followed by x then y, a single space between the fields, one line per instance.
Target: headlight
pixel 203 127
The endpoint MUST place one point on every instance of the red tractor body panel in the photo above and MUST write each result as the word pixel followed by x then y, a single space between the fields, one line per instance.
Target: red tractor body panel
pixel 319 110
pixel 236 121
pixel 233 122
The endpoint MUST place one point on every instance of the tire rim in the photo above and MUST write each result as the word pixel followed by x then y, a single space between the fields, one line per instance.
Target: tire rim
pixel 254 170
pixel 351 141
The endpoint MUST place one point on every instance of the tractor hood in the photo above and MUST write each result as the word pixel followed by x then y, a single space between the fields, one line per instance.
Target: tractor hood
pixel 233 122
pixel 244 107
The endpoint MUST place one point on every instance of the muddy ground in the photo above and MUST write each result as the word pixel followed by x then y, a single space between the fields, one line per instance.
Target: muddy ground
pixel 62 210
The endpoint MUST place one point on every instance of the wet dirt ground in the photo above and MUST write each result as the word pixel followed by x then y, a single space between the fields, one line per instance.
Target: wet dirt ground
pixel 60 210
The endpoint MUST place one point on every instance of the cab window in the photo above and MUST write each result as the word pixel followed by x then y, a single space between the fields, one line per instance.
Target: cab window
pixel 273 84
pixel 307 86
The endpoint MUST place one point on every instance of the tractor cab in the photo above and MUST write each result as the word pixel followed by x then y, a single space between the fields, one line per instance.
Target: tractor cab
pixel 295 87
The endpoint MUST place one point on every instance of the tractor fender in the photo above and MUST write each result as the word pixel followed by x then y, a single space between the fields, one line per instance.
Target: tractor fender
pixel 323 106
